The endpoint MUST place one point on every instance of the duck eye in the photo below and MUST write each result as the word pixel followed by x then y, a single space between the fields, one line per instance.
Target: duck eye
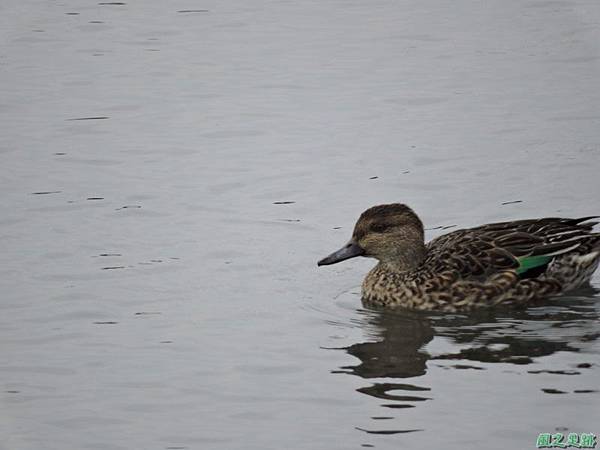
pixel 379 227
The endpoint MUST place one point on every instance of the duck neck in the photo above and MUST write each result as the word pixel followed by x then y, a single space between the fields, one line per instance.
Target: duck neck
pixel 405 259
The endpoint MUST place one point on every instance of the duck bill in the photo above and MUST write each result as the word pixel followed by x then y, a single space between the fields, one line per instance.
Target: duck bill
pixel 350 250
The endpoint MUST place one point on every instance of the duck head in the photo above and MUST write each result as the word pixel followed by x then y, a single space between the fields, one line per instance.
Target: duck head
pixel 392 234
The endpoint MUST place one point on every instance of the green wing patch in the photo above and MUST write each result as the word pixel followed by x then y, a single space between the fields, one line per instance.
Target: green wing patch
pixel 531 262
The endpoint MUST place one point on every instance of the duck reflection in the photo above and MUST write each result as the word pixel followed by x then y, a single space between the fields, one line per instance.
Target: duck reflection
pixel 398 351
pixel 397 344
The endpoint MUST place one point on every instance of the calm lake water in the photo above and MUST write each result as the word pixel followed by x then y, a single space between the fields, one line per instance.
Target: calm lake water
pixel 172 171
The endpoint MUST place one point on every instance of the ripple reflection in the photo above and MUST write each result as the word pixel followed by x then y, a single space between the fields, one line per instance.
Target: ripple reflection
pixel 398 346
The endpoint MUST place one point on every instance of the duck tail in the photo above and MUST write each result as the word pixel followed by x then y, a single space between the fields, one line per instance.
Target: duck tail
pixel 583 222
pixel 575 269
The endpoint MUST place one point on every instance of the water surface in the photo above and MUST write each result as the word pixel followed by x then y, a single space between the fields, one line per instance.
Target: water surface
pixel 172 171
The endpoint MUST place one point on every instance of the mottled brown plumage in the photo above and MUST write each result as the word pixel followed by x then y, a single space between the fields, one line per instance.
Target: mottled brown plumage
pixel 509 263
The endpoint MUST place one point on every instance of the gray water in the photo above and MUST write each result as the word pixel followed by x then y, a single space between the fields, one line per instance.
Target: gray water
pixel 172 171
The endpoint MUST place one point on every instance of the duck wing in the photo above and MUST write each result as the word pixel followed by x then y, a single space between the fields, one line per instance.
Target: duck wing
pixel 524 246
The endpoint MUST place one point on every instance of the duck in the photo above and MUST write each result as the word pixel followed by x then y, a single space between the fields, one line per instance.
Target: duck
pixel 516 263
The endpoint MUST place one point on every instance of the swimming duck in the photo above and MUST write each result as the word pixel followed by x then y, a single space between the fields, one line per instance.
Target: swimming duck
pixel 508 263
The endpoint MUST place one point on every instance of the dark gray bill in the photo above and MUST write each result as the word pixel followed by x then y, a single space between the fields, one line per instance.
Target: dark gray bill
pixel 350 250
